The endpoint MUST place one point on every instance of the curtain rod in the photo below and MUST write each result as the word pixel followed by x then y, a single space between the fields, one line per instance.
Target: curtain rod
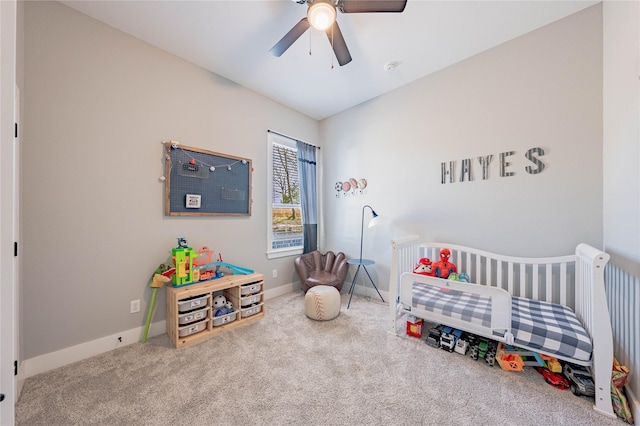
pixel 289 137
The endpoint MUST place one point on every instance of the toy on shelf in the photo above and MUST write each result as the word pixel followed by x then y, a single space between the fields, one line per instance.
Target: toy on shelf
pixel 192 267
pixel 183 257
pixel 204 256
pixel 424 267
pixel 221 306
pixel 443 267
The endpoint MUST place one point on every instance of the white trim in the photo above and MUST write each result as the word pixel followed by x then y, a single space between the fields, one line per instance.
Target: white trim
pixel 8 288
pixel 47 362
pixel 52 360
pixel 274 254
pixel 278 291
pixel 274 137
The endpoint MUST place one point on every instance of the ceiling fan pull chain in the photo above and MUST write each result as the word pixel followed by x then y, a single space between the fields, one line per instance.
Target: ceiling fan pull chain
pixel 332 44
pixel 309 43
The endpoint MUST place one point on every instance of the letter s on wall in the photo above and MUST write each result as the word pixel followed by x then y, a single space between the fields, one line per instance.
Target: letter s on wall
pixel 535 160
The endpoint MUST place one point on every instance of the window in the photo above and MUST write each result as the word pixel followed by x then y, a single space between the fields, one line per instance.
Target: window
pixel 284 210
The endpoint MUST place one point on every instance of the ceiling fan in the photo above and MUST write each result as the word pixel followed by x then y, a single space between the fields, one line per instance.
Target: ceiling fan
pixel 321 14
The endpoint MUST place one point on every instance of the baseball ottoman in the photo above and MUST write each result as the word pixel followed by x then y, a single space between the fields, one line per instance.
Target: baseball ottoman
pixel 322 303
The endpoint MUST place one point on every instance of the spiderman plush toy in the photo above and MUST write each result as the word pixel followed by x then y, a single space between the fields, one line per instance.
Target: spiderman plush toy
pixel 443 267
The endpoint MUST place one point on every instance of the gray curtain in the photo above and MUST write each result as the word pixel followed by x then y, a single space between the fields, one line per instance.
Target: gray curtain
pixel 308 194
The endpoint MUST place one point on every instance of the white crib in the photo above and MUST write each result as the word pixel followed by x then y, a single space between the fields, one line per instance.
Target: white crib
pixel 575 281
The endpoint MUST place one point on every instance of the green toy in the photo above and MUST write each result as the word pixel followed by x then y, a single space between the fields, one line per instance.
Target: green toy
pixel 183 257
pixel 161 276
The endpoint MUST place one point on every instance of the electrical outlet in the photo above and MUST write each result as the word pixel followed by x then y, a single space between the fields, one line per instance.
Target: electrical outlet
pixel 275 273
pixel 135 306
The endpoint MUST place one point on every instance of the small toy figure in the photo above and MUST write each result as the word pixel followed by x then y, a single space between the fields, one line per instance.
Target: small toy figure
pixel 220 306
pixel 463 277
pixel 424 267
pixel 443 267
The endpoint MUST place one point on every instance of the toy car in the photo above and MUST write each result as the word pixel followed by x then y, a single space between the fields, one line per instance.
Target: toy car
pixel 556 380
pixel 433 339
pixel 462 346
pixel 447 341
pixel 581 383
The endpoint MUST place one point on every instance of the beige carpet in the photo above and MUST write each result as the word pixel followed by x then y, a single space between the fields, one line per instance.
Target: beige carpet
pixel 287 369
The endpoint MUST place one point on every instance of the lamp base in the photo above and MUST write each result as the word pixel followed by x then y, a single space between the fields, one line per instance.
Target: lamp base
pixel 362 263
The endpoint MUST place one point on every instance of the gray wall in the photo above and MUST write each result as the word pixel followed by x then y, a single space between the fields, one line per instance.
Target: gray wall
pixel 543 89
pixel 621 100
pixel 97 105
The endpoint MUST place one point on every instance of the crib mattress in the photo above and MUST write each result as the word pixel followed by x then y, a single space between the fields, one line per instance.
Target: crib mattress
pixel 539 325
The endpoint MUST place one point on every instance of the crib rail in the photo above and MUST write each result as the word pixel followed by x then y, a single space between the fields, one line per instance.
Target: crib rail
pixel 547 278
pixel 404 253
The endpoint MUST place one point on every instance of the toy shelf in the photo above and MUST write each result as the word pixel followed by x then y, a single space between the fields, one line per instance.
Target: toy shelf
pixel 196 301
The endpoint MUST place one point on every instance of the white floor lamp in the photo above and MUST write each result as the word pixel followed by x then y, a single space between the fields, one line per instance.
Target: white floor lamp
pixel 363 263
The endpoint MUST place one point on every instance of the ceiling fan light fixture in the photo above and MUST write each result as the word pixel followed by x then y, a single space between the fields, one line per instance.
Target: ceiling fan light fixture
pixel 321 15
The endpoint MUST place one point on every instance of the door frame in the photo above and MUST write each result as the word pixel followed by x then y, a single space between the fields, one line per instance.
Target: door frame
pixel 8 286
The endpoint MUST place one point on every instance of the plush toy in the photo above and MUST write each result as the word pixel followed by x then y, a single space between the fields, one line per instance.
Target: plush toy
pixel 463 277
pixel 220 306
pixel 424 267
pixel 443 267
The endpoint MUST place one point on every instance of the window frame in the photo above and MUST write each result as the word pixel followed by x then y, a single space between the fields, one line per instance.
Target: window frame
pixel 273 138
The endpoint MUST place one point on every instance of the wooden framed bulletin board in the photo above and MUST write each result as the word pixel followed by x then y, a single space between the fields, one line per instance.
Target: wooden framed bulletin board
pixel 205 183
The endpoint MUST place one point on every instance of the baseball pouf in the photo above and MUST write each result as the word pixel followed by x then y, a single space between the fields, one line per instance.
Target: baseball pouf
pixel 322 303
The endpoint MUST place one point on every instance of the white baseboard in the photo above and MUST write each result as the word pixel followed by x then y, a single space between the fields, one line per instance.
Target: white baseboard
pixel 43 363
pixel 52 360
pixel 278 291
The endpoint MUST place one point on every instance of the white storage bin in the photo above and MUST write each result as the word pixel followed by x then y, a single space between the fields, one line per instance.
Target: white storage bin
pixel 224 319
pixel 251 288
pixel 187 305
pixel 252 310
pixel 250 300
pixel 190 329
pixel 193 316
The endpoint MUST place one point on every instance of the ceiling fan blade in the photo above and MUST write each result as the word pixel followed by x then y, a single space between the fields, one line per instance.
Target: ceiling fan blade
pixel 339 45
pixel 369 6
pixel 290 37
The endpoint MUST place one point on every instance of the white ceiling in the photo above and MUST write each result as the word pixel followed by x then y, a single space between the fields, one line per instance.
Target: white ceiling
pixel 232 38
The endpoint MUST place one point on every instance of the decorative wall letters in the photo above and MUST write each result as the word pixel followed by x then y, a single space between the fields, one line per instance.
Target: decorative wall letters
pixel 506 166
